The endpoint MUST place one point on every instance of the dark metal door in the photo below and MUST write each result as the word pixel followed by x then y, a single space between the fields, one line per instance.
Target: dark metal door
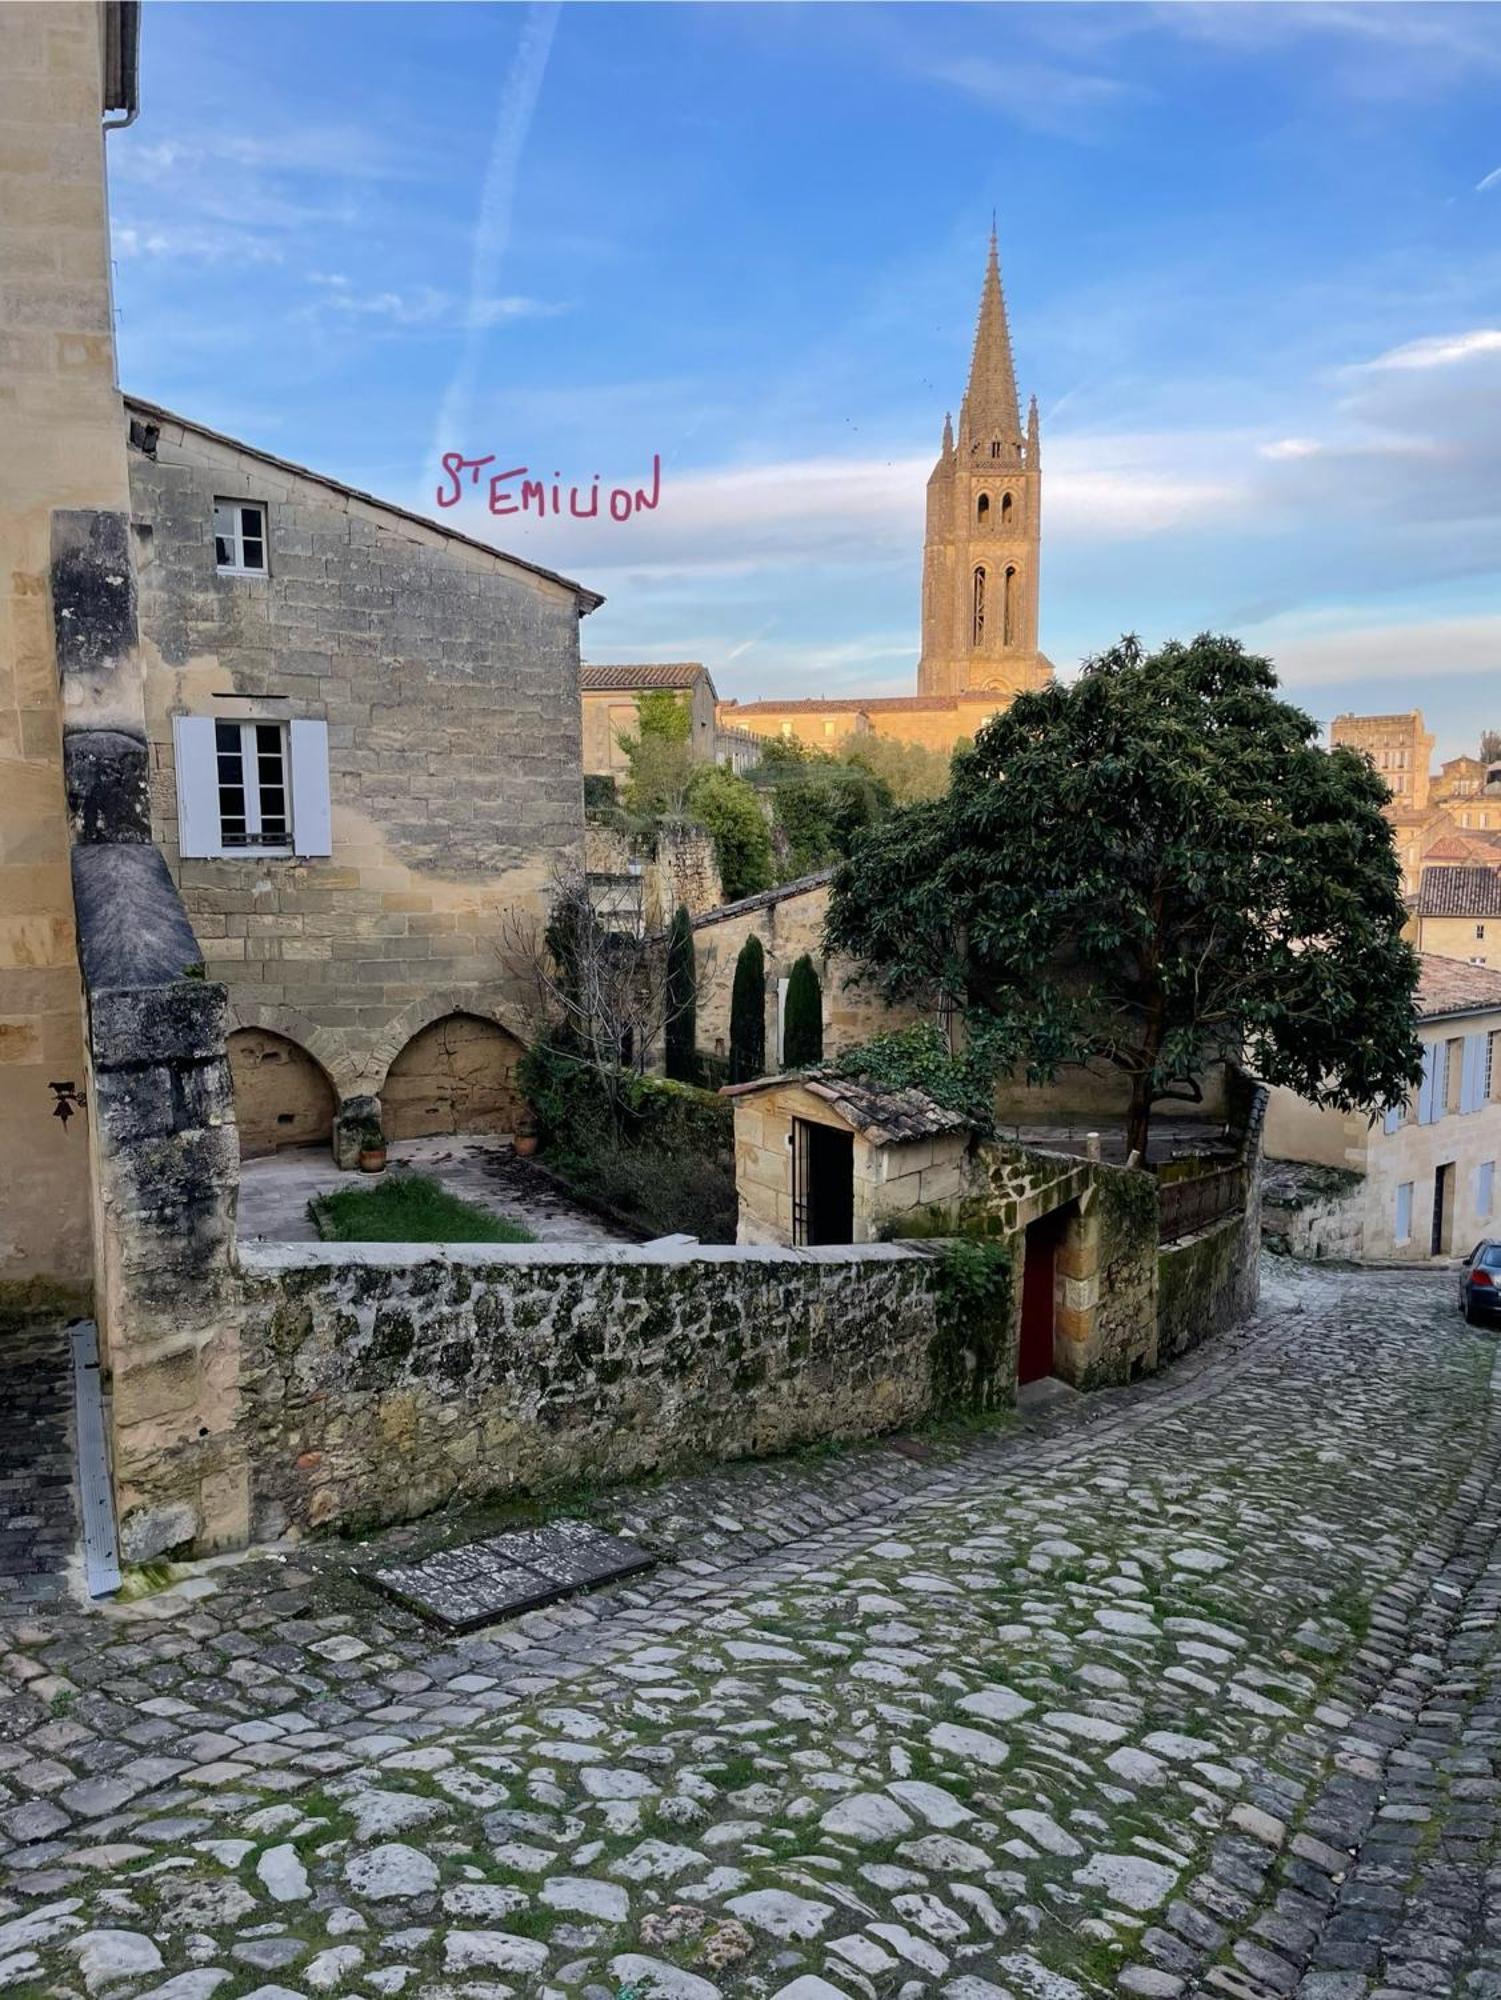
pixel 1034 1357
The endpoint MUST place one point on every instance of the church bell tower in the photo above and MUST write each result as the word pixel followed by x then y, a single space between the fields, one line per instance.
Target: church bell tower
pixel 984 529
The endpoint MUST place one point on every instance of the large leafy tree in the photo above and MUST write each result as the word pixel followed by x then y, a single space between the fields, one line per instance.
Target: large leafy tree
pixel 1144 870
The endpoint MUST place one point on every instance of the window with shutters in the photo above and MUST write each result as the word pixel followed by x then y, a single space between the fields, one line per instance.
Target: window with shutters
pixel 251 786
pixel 240 537
pixel 1403 1230
pixel 1485 1189
pixel 1452 1098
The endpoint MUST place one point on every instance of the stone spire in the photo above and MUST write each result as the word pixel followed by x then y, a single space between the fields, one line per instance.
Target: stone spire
pixel 991 409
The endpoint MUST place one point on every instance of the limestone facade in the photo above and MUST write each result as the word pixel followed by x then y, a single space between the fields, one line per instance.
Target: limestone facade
pixel 1400 748
pixel 936 721
pixel 428 689
pixel 610 697
pixel 1428 1169
pixel 60 416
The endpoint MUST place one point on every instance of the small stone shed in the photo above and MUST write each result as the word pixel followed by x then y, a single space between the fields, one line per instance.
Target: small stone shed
pixel 821 1158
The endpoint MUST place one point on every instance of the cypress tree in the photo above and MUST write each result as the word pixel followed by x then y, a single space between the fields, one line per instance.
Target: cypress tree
pixel 748 1013
pixel 802 1024
pixel 681 1030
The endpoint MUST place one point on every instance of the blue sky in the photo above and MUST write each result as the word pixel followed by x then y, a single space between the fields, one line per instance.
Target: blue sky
pixel 1252 255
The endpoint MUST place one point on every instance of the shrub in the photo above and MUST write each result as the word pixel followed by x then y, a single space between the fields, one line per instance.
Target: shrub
pixel 748 1013
pixel 661 1153
pixel 918 1058
pixel 729 809
pixel 681 1025
pixel 802 1024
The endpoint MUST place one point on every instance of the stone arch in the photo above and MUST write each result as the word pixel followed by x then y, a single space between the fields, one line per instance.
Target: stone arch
pixel 456 1074
pixel 982 510
pixel 325 1045
pixel 420 1014
pixel 283 1094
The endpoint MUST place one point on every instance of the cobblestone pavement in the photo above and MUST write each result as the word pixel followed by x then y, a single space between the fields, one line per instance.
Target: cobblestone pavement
pixel 36 1465
pixel 1185 1689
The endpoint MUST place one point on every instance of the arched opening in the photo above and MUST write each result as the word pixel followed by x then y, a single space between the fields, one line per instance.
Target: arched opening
pixel 282 1097
pixel 982 509
pixel 995 447
pixel 456 1075
pixel 1005 510
pixel 1008 608
pixel 978 613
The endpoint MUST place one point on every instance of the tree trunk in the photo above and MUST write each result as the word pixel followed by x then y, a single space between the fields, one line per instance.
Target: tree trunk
pixel 1139 1117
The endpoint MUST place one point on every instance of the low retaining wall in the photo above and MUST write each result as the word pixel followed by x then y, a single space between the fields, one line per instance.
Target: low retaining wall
pixel 374 1387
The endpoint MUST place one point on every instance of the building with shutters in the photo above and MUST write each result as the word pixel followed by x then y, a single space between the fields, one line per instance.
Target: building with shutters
pixel 364 740
pixel 1427 1169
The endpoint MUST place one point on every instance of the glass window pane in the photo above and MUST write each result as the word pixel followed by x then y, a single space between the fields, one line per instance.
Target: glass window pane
pixel 224 554
pixel 253 554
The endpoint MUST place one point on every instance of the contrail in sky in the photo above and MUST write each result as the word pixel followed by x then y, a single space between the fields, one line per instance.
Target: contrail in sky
pixel 492 230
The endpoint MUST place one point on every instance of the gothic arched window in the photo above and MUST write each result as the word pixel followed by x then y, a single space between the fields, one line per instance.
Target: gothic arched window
pixel 982 509
pixel 978 622
pixel 1008 608
pixel 1005 510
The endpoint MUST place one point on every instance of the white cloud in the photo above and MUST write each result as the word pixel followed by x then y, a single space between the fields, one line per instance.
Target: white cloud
pixel 1294 447
pixel 1492 179
pixel 1322 651
pixel 424 305
pixel 1046 96
pixel 1441 350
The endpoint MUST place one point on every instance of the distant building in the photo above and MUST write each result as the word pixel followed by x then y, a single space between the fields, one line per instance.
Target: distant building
pixel 1426 1169
pixel 611 701
pixel 1457 913
pixel 1399 747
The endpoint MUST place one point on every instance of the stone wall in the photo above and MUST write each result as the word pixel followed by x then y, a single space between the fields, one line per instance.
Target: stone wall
pixel 649 875
pixel 789 922
pixel 376 1387
pixel 447 676
pixel 63 448
pixel 282 1098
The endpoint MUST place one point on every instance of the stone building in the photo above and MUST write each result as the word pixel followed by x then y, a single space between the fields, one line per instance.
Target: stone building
pixel 981 569
pixel 1420 1181
pixel 364 744
pixel 1456 913
pixel 63 70
pixel 610 702
pixel 1400 748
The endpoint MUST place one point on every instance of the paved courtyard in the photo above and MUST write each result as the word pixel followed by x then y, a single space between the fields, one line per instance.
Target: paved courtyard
pixel 1189 1688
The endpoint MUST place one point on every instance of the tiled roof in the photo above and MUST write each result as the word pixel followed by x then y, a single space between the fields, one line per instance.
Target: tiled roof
pixel 884 1117
pixel 590 600
pixel 613 680
pixel 1450 986
pixel 803 885
pixel 1460 892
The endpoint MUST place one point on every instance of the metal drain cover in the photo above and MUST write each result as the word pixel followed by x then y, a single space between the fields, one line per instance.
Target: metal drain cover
pixel 478 1582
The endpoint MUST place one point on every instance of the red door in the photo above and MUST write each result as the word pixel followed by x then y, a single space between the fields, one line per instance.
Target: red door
pixel 1034 1357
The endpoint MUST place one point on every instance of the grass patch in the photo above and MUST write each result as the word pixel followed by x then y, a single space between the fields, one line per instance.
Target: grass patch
pixel 409 1208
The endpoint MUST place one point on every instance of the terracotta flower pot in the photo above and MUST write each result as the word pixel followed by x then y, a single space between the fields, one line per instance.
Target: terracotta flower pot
pixel 525 1144
pixel 372 1159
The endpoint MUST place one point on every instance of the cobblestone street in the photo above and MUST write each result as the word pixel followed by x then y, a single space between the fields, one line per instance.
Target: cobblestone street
pixel 1191 1687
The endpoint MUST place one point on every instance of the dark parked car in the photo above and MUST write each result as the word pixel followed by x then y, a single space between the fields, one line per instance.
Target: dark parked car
pixel 1480 1283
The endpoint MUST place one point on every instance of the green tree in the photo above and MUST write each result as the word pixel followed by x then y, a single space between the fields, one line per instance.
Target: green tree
pixel 748 1013
pixel 1147 869
pixel 729 809
pixel 910 771
pixel 680 995
pixel 659 755
pixel 819 805
pixel 802 1023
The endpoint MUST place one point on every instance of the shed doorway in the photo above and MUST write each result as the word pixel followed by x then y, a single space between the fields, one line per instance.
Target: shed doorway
pixel 1034 1354
pixel 823 1183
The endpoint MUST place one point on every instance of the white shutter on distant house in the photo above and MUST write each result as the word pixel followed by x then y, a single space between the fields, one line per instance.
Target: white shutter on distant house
pixel 312 812
pixel 1392 1119
pixel 1428 1089
pixel 197 786
pixel 1472 1074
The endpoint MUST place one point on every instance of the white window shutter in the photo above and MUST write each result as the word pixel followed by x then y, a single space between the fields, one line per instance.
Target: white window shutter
pixel 1472 1076
pixel 312 811
pixel 1428 1089
pixel 1392 1119
pixel 198 834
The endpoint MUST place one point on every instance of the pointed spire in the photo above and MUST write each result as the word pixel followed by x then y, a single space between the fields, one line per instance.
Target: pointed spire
pixel 948 432
pixel 1034 441
pixel 990 400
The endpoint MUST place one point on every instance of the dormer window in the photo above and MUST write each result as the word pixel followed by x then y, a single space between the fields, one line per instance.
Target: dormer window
pixel 240 537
